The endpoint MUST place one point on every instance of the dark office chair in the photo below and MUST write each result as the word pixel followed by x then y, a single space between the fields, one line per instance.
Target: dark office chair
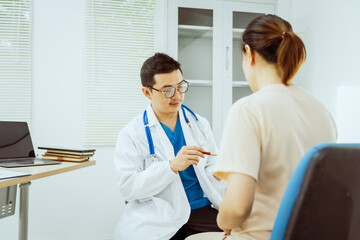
pixel 322 199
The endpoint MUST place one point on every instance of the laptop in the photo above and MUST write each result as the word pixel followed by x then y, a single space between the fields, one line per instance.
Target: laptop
pixel 16 148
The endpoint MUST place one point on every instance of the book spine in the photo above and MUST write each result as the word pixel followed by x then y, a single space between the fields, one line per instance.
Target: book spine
pixel 70 153
pixel 64 159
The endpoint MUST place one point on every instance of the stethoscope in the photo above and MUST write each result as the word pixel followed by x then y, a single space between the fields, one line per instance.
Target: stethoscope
pixel 200 138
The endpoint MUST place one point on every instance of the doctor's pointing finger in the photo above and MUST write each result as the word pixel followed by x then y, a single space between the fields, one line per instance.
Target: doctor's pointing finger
pixel 188 155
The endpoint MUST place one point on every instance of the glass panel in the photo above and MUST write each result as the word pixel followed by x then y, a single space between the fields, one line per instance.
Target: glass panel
pixel 238 74
pixel 195 54
pixel 197 17
pixel 195 43
pixel 240 92
pixel 240 22
pixel 242 19
pixel 199 99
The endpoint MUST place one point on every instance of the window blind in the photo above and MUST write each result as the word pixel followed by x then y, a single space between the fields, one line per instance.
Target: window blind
pixel 15 60
pixel 119 37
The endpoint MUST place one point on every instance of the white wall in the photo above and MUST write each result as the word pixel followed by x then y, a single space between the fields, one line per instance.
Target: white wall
pixel 329 31
pixel 83 204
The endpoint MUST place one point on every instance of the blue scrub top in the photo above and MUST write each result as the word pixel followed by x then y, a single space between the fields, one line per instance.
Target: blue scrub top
pixel 188 177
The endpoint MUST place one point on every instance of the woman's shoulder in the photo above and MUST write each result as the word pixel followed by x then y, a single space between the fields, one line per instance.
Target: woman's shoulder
pixel 272 92
pixel 268 97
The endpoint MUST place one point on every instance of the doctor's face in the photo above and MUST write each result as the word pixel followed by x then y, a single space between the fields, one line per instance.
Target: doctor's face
pixel 159 102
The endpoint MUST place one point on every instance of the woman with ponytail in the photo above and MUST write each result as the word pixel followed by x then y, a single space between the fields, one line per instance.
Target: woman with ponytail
pixel 266 133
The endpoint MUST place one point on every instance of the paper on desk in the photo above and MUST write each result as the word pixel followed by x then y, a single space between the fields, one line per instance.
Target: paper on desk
pixel 5 174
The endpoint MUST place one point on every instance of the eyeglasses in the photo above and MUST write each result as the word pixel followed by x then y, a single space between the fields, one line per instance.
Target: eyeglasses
pixel 183 87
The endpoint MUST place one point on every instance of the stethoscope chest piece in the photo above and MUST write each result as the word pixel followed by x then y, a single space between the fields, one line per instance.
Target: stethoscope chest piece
pixel 150 159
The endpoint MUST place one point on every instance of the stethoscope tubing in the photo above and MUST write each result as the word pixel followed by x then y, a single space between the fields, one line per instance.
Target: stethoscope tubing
pixel 185 107
pixel 148 133
pixel 147 128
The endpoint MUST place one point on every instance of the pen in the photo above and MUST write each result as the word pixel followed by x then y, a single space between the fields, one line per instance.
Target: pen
pixel 209 153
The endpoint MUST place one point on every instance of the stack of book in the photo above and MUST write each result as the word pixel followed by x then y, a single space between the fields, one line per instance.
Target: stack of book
pixel 67 154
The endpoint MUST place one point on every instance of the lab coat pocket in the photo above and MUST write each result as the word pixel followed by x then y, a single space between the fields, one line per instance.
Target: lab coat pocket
pixel 144 200
pixel 209 189
pixel 163 208
pixel 154 208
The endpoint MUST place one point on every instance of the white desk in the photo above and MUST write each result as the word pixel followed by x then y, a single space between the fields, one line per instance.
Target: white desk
pixel 36 173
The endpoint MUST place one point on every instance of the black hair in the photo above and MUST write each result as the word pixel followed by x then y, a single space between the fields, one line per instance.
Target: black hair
pixel 159 63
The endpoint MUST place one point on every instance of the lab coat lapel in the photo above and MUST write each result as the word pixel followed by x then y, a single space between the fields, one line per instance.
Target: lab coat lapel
pixel 190 141
pixel 161 142
pixel 165 150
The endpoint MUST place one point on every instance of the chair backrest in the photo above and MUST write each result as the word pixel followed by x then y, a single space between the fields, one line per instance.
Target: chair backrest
pixel 322 199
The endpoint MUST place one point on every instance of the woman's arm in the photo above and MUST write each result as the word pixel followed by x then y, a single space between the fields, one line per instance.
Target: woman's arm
pixel 237 202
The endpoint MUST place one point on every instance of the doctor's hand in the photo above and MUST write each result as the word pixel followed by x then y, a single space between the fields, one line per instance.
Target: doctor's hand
pixel 187 156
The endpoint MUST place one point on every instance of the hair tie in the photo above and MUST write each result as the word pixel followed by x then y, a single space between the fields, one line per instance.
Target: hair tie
pixel 283 35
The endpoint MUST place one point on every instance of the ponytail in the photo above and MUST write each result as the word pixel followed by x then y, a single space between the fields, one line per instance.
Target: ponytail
pixel 273 38
pixel 290 55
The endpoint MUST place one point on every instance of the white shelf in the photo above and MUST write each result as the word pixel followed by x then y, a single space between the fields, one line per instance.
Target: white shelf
pixel 195 32
pixel 208 83
pixel 195 27
pixel 237 33
pixel 240 84
pixel 239 30
pixel 202 83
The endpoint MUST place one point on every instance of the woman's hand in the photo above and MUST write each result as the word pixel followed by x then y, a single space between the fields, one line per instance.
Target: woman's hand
pixel 227 232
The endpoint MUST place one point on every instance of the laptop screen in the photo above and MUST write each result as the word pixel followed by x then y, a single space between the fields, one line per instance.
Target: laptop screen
pixel 15 140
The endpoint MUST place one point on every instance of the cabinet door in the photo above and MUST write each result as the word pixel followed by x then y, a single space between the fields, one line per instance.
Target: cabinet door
pixel 205 36
pixel 192 40
pixel 195 53
pixel 237 17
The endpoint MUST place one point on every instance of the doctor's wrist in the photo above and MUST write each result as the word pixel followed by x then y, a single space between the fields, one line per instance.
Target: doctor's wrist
pixel 172 167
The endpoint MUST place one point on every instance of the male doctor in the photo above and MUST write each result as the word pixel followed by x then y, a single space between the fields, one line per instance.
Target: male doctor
pixel 163 174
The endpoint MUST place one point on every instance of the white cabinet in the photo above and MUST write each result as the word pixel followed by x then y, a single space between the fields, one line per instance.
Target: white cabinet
pixel 205 37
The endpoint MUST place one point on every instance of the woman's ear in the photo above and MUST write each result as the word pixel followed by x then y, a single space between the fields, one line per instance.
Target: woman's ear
pixel 247 48
pixel 250 54
pixel 146 92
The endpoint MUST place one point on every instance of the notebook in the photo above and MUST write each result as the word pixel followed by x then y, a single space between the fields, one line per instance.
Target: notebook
pixel 16 148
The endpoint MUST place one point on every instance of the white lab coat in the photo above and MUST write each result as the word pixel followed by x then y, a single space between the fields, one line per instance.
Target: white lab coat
pixel 157 204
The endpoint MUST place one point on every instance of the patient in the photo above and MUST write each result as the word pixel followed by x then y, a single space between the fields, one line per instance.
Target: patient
pixel 266 133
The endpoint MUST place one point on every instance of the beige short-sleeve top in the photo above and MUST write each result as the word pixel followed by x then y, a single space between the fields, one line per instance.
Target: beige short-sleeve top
pixel 264 137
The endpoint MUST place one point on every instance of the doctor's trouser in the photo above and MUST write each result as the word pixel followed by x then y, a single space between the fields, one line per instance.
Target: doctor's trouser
pixel 200 220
